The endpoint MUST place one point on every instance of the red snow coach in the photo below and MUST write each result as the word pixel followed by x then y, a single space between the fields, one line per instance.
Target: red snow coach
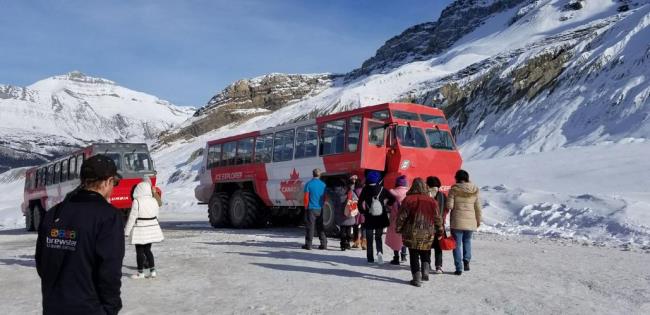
pixel 47 185
pixel 245 179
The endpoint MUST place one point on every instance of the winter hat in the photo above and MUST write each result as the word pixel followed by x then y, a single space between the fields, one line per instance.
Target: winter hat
pixel 401 181
pixel 373 177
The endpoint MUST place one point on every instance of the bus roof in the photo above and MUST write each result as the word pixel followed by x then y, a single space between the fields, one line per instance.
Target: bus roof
pixel 421 109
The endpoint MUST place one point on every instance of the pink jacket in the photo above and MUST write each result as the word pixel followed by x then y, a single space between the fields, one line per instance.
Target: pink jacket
pixel 393 239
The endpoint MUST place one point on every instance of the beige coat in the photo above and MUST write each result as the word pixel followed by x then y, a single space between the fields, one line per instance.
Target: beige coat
pixel 465 206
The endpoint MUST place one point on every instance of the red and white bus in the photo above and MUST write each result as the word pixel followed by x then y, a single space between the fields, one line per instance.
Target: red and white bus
pixel 246 178
pixel 48 184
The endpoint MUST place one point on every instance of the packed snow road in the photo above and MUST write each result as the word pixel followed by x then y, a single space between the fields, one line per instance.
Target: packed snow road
pixel 203 270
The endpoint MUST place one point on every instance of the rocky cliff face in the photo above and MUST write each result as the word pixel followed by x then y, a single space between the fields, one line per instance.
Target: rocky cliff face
pixel 60 113
pixel 245 99
pixel 425 40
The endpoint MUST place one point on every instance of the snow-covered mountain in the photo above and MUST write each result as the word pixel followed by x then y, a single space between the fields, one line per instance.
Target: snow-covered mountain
pixel 61 112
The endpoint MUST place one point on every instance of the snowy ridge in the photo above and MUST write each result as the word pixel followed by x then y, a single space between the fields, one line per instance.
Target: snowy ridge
pixel 74 109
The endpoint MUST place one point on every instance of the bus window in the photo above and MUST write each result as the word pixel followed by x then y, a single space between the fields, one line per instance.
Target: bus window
pixel 440 139
pixel 214 155
pixel 50 174
pixel 405 115
pixel 264 148
pixel 411 137
pixel 306 141
pixel 116 158
pixel 438 120
pixel 137 162
pixel 380 115
pixel 57 173
pixel 72 174
pixel 64 171
pixel 376 135
pixel 283 145
pixel 80 160
pixel 244 151
pixel 228 153
pixel 354 127
pixel 333 137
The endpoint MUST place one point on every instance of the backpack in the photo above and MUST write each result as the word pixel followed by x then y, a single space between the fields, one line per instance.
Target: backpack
pixel 376 208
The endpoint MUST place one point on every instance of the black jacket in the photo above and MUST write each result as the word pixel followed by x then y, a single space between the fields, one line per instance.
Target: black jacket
pixel 79 256
pixel 365 199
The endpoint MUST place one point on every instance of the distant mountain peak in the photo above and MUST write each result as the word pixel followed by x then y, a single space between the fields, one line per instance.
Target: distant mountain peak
pixel 78 76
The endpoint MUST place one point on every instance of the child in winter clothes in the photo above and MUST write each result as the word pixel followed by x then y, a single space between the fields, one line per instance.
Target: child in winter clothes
pixel 143 227
pixel 393 239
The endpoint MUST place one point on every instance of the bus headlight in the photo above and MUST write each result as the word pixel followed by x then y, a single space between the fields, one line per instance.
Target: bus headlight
pixel 405 164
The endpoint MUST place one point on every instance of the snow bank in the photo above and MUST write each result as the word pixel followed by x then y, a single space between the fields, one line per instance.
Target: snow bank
pixel 597 194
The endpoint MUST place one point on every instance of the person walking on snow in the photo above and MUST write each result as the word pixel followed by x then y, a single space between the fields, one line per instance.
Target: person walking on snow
pixel 393 239
pixel 419 223
pixel 465 208
pixel 373 206
pixel 338 194
pixel 144 228
pixel 314 201
pixel 433 183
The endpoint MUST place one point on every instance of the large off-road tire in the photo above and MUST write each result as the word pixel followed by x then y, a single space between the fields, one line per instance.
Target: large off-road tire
pixel 218 210
pixel 329 222
pixel 29 220
pixel 245 210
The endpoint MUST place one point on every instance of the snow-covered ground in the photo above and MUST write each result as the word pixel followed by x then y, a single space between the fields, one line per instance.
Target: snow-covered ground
pixel 208 271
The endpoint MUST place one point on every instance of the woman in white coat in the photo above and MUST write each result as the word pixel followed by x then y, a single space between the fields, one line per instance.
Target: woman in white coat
pixel 144 228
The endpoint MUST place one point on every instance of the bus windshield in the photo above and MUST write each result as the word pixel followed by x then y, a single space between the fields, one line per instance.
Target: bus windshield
pixel 411 137
pixel 116 158
pixel 440 139
pixel 137 162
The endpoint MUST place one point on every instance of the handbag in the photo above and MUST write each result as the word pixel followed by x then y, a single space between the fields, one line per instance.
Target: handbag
pixel 447 242
pixel 351 206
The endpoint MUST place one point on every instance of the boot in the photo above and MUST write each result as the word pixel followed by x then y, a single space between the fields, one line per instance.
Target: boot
pixel 395 260
pixel 364 244
pixel 356 244
pixel 465 265
pixel 417 279
pixel 404 255
pixel 425 271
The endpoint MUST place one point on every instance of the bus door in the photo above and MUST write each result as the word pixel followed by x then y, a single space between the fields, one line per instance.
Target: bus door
pixel 373 145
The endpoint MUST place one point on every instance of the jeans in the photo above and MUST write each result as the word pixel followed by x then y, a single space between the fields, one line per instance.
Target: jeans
pixel 369 235
pixel 312 220
pixel 144 257
pixel 463 243
pixel 418 256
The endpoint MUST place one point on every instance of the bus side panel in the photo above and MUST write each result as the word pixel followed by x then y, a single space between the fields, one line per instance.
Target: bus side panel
pixel 287 180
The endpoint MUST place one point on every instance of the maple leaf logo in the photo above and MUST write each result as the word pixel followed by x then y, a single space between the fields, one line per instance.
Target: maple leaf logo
pixel 291 188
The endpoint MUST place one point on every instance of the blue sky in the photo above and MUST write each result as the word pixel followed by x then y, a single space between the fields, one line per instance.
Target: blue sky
pixel 187 51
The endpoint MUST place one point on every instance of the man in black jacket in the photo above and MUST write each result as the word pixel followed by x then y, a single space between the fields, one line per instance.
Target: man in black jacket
pixel 80 246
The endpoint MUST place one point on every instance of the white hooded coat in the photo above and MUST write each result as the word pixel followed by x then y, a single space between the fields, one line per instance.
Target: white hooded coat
pixel 143 219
